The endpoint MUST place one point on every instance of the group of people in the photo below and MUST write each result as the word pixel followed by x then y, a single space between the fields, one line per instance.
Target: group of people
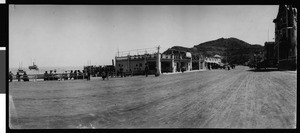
pixel 105 74
pixel 76 74
pixel 227 67
pixel 50 76
pixel 18 77
pixel 216 66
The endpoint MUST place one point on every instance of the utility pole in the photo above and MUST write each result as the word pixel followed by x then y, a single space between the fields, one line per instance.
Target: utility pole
pixel 158 62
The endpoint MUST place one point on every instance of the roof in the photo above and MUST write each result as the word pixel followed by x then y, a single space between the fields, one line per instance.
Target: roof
pixel 217 56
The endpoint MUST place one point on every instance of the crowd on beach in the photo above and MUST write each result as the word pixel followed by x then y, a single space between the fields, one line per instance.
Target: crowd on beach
pixel 77 74
pixel 52 75
pixel 18 76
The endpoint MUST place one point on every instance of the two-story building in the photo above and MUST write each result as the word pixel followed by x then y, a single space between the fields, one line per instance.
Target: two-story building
pixel 159 63
pixel 286 37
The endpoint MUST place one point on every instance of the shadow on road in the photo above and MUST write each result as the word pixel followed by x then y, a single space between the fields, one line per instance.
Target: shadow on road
pixel 266 70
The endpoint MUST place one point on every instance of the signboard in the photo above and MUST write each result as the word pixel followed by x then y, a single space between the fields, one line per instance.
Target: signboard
pixel 188 54
pixel 122 58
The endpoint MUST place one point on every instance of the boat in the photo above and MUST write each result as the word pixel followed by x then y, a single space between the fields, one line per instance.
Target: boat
pixel 20 70
pixel 34 67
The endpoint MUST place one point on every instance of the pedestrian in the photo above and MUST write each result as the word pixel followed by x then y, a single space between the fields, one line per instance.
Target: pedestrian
pixel 75 74
pixel 25 77
pixel 45 76
pixel 10 76
pixel 84 74
pixel 89 73
pixel 65 75
pixel 106 73
pixel 121 72
pixel 79 74
pixel 131 72
pixel 146 69
pixel 71 75
pixel 55 75
pixel 51 75
pixel 18 77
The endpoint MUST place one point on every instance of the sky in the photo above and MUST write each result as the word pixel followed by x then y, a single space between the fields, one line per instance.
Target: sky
pixel 78 35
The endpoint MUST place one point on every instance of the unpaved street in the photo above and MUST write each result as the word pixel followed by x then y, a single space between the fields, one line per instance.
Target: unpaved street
pixel 238 98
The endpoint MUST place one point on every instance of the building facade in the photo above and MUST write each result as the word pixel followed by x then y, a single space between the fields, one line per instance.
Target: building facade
pixel 176 61
pixel 286 37
pixel 157 62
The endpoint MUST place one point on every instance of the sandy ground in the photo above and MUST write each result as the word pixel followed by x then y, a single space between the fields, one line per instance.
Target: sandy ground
pixel 238 98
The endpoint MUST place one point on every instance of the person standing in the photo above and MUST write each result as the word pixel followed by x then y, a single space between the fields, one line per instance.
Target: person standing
pixel 75 74
pixel 25 77
pixel 103 74
pixel 146 69
pixel 18 77
pixel 10 76
pixel 106 73
pixel 89 73
pixel 121 71
pixel 51 75
pixel 71 74
pixel 65 75
pixel 55 75
pixel 45 76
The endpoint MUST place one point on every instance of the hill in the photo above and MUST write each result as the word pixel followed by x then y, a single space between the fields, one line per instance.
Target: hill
pixel 236 51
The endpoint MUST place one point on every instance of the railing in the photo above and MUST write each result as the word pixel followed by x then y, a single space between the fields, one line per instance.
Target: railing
pixel 137 52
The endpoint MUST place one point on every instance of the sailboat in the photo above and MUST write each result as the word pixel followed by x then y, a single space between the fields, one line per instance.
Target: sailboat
pixel 20 70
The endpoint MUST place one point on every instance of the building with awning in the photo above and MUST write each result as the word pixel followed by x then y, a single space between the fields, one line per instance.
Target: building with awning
pixel 213 62
pixel 176 61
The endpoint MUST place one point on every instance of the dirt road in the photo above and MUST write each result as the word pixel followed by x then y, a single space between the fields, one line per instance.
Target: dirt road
pixel 238 98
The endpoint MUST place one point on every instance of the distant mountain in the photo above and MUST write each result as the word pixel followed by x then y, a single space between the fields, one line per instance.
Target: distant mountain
pixel 236 51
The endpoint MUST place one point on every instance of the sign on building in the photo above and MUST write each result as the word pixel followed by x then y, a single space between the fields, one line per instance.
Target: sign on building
pixel 188 54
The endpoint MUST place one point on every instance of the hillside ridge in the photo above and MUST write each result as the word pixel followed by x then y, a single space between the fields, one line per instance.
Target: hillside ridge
pixel 237 51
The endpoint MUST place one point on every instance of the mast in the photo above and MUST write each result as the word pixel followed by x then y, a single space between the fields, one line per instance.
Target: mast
pixel 268 35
